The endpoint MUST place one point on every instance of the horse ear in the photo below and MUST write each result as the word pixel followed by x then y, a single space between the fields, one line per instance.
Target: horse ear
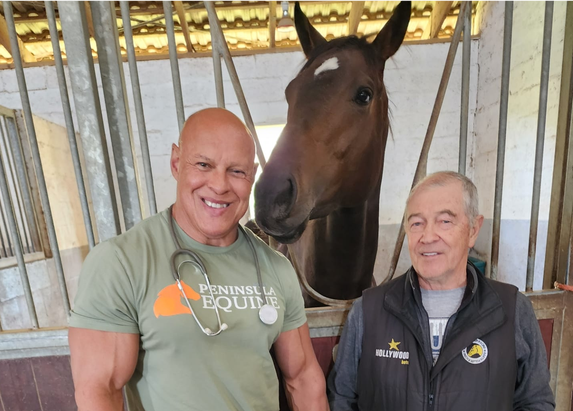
pixel 308 36
pixel 392 34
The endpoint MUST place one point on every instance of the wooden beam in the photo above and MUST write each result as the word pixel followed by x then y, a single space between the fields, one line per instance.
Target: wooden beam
pixel 439 13
pixel 89 19
pixel 27 57
pixel 355 16
pixel 183 24
pixel 272 23
pixel 18 6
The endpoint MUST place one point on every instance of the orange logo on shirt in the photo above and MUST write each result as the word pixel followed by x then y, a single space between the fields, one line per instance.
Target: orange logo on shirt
pixel 170 301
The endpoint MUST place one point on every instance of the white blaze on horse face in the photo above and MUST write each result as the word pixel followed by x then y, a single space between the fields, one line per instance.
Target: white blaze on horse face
pixel 330 64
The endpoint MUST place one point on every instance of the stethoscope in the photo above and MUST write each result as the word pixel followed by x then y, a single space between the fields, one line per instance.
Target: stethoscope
pixel 267 313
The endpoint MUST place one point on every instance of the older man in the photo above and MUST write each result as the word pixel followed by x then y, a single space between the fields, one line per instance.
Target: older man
pixel 191 329
pixel 442 336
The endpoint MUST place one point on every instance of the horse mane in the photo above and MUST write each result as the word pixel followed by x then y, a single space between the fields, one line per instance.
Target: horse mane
pixel 343 43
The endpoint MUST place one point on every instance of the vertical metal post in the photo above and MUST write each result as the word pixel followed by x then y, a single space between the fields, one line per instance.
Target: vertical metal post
pixel 18 201
pixel 219 40
pixel 421 168
pixel 141 128
pixel 465 103
pixel 13 229
pixel 69 121
pixel 113 81
pixel 560 227
pixel 7 252
pixel 15 144
pixel 506 64
pixel 88 112
pixel 36 153
pixel 218 74
pixel 541 119
pixel 174 63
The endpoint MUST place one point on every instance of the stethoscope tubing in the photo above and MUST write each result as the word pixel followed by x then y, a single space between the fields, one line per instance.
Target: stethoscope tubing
pixel 195 260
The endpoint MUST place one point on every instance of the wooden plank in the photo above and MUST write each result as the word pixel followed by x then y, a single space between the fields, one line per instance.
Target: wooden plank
pixel 355 16
pixel 439 14
pixel 54 382
pixel 89 19
pixel 19 6
pixel 546 327
pixel 183 24
pixel 17 386
pixel 272 23
pixel 27 57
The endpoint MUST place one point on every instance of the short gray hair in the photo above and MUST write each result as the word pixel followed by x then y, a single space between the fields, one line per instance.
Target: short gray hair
pixel 442 178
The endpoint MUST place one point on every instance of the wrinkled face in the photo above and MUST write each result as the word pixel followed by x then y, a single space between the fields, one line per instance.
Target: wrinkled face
pixel 215 170
pixel 331 151
pixel 440 235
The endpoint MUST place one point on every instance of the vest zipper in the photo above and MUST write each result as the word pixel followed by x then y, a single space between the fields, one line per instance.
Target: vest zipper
pixel 431 396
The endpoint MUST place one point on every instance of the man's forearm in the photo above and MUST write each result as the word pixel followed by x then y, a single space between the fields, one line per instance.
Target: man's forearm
pixel 99 399
pixel 308 392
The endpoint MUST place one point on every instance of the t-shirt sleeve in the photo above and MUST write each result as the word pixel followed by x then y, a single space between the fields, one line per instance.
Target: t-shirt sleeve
pixel 105 297
pixel 295 316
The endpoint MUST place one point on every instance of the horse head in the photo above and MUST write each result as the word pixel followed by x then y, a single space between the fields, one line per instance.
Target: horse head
pixel 331 151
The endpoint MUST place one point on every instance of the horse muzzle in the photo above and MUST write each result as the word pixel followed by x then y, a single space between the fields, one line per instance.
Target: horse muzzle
pixel 276 211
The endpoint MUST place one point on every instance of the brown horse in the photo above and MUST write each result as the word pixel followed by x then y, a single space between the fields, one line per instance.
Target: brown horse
pixel 320 190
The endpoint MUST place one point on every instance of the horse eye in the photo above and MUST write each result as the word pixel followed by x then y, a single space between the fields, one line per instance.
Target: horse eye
pixel 363 96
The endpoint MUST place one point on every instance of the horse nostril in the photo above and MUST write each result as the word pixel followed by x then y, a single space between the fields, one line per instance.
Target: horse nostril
pixel 285 197
pixel 275 196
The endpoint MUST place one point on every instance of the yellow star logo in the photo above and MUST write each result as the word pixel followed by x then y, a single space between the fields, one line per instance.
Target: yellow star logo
pixel 393 345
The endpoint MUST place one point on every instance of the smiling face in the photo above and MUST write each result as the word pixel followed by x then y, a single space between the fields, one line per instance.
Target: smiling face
pixel 440 235
pixel 214 168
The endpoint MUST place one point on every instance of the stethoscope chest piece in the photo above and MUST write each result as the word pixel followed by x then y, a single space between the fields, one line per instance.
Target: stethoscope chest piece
pixel 268 314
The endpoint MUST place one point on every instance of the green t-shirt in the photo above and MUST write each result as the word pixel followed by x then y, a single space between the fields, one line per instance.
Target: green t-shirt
pixel 126 286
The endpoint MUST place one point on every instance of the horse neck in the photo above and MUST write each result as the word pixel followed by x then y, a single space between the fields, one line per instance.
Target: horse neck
pixel 346 241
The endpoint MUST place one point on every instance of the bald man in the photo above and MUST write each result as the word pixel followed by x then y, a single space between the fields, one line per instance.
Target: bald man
pixel 200 343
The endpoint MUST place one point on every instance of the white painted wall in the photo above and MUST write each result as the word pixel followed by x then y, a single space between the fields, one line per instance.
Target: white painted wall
pixel 412 79
pixel 525 75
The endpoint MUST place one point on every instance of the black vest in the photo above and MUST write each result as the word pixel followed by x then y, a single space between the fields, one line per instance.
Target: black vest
pixel 477 366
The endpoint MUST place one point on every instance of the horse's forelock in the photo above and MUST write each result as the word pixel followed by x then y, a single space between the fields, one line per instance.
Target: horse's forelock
pixel 344 43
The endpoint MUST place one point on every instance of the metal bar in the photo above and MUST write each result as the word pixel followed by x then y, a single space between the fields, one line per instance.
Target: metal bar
pixel 3 230
pixel 10 212
pixel 174 64
pixel 69 122
pixel 541 120
pixel 272 23
pixel 224 50
pixel 113 81
pixel 36 155
pixel 7 253
pixel 16 145
pixel 141 128
pixel 561 209
pixel 11 166
pixel 90 123
pixel 502 130
pixel 421 168
pixel 33 181
pixel 465 103
pixel 215 47
pixel 184 27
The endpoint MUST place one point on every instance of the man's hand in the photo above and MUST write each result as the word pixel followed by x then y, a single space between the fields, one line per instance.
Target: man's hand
pixel 102 363
pixel 306 388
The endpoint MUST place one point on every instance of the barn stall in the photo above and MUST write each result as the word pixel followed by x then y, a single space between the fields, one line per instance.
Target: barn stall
pixel 85 164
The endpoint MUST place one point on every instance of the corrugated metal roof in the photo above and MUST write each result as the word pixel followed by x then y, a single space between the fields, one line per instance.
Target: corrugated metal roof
pixel 245 24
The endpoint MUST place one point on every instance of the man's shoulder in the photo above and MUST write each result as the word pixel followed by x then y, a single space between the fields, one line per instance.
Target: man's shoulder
pixel 392 286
